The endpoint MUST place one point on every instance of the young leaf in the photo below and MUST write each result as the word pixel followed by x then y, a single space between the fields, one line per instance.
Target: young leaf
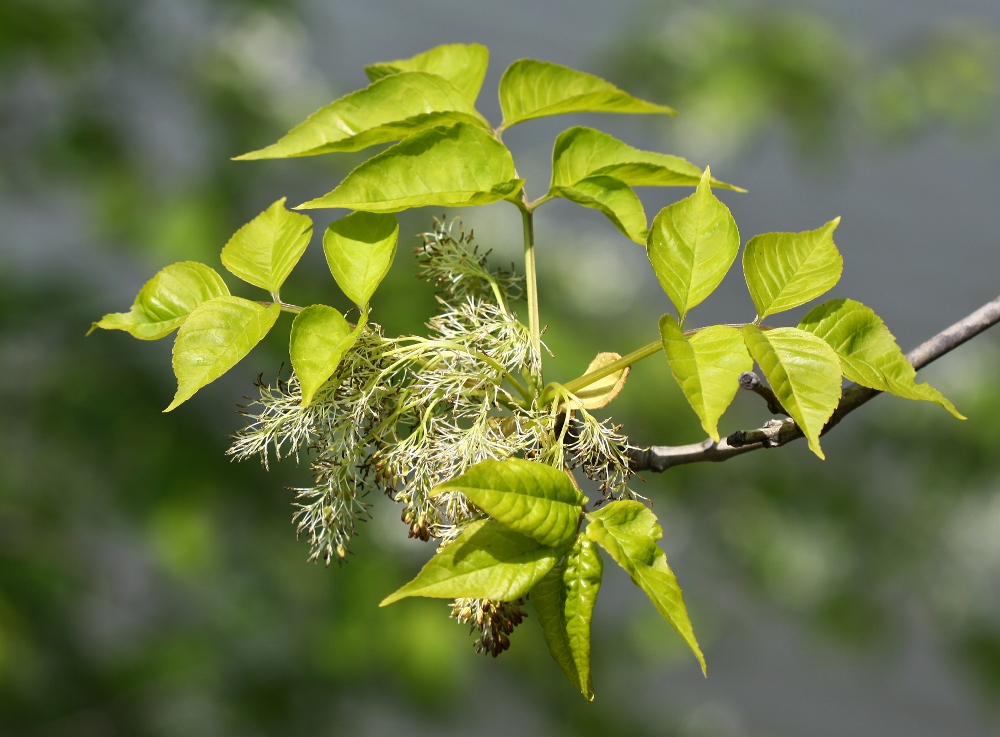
pixel 214 338
pixel 564 601
pixel 707 365
pixel 464 65
pixel 868 352
pixel 804 373
pixel 390 109
pixel 603 391
pixel 585 152
pixel 629 531
pixel 612 197
pixel 445 167
pixel 691 246
pixel 264 251
pixel 359 249
pixel 785 270
pixel 528 497
pixel 166 300
pixel 486 561
pixel 536 89
pixel 320 338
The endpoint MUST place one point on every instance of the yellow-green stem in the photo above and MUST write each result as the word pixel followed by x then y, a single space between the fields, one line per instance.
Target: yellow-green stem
pixel 531 279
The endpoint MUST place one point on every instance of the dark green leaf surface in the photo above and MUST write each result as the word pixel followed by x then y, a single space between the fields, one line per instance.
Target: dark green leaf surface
pixel 387 110
pixel 785 270
pixel 166 300
pixel 804 373
pixel 214 338
pixel 707 366
pixel 264 251
pixel 526 496
pixel 320 337
pixel 444 167
pixel 487 561
pixel 536 89
pixel 360 249
pixel 868 352
pixel 464 65
pixel 629 531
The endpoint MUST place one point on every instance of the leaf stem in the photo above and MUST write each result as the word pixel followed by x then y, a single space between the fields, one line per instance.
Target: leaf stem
pixel 531 276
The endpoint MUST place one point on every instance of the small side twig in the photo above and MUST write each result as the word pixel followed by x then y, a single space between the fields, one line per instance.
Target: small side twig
pixel 751 382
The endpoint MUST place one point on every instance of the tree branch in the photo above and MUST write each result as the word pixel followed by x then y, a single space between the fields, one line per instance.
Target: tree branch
pixel 775 433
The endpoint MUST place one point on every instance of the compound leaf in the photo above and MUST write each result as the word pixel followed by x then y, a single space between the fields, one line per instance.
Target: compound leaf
pixel 707 366
pixel 360 249
pixel 464 65
pixel 804 373
pixel 582 152
pixel 530 498
pixel 264 251
pixel 320 337
pixel 691 246
pixel 785 270
pixel 486 561
pixel 216 335
pixel 612 197
pixel 564 601
pixel 445 167
pixel 536 89
pixel 389 109
pixel 629 531
pixel 868 352
pixel 166 300
pixel 603 391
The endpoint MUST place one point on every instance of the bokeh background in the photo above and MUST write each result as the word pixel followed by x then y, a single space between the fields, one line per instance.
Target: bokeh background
pixel 150 587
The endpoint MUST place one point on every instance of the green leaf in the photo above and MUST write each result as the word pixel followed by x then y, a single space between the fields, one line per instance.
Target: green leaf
pixel 390 109
pixel 612 197
pixel 629 531
pixel 585 152
pixel 528 497
pixel 359 249
pixel 564 601
pixel 464 65
pixel 264 251
pixel 804 373
pixel 214 338
pixel 603 391
pixel 785 270
pixel 166 300
pixel 320 338
pixel 536 89
pixel 868 352
pixel 707 366
pixel 444 167
pixel 486 561
pixel 691 246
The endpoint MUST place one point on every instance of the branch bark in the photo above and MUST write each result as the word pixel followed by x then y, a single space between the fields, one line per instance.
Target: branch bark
pixel 776 433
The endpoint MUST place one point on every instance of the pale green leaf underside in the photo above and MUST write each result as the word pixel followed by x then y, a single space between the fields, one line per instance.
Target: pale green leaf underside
pixel 612 197
pixel 264 251
pixel 388 110
pixel 486 561
pixel 707 366
pixel 804 373
pixel 691 246
pixel 166 300
pixel 564 601
pixel 582 152
pixel 528 497
pixel 785 270
pixel 360 249
pixel 319 339
pixel 868 352
pixel 629 531
pixel 214 338
pixel 602 392
pixel 464 65
pixel 444 167
pixel 535 89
